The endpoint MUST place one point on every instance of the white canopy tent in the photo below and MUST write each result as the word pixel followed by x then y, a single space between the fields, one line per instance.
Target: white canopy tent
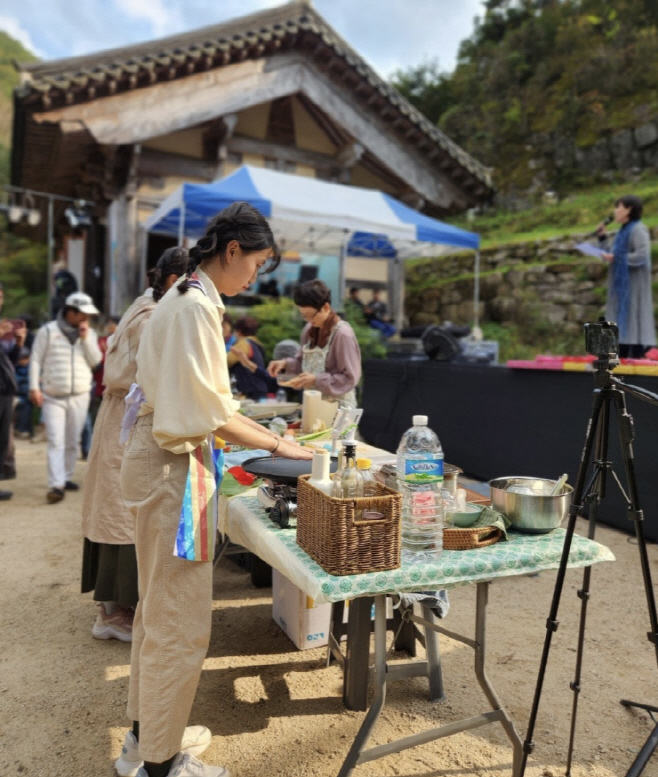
pixel 308 214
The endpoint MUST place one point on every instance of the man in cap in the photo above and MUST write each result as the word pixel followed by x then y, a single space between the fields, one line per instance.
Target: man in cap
pixel 64 353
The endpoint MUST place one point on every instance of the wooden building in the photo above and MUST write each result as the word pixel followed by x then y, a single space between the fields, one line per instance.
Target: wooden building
pixel 278 88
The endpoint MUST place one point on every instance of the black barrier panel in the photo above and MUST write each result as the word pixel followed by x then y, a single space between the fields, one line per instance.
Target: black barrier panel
pixel 495 421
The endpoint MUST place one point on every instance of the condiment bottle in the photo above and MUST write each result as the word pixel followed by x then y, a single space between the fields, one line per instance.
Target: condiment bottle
pixel 320 477
pixel 369 482
pixel 348 483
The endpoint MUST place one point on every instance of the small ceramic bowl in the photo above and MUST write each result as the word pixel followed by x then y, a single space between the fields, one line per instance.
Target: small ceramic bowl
pixel 467 517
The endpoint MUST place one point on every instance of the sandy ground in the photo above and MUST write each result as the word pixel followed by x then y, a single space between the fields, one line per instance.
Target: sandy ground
pixel 275 710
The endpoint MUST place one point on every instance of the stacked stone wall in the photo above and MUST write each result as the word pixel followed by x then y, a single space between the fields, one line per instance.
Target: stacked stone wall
pixel 547 280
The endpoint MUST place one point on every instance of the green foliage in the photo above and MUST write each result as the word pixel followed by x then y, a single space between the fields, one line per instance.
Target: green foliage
pixel 10 50
pixel 526 340
pixel 23 270
pixel 536 75
pixel 578 212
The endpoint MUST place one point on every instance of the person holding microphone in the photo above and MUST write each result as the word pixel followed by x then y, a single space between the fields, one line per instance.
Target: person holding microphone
pixel 630 300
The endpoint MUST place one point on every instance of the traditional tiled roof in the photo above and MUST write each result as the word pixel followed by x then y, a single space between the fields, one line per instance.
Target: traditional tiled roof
pixel 294 27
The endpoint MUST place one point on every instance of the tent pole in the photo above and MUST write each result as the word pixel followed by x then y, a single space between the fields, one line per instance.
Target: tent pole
pixel 476 292
pixel 341 277
pixel 181 225
pixel 398 287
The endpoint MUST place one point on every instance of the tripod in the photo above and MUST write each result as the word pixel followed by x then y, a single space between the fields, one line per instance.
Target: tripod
pixel 590 490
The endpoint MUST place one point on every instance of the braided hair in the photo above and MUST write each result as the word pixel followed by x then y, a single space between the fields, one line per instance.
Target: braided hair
pixel 240 222
pixel 172 262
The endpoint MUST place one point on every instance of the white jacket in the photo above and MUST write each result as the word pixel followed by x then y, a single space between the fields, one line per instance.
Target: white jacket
pixel 58 368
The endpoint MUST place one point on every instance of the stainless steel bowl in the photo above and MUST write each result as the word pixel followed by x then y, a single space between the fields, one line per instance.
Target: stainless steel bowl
pixel 536 513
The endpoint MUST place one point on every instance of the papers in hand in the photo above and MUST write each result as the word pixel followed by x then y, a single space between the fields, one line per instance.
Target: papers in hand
pixel 590 250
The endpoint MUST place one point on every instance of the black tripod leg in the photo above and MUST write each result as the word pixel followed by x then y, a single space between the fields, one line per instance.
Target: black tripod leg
pixel 594 496
pixel 626 436
pixel 574 512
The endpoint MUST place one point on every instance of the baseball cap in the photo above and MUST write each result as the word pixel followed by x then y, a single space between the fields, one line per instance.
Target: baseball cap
pixel 82 302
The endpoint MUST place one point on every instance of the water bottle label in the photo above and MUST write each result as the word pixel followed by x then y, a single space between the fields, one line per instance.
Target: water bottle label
pixel 423 470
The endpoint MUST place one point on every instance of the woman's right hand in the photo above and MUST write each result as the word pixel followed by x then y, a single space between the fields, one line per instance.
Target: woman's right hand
pixel 291 450
pixel 275 367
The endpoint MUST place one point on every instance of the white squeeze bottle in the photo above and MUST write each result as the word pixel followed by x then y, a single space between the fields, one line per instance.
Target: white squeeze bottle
pixel 420 480
pixel 320 477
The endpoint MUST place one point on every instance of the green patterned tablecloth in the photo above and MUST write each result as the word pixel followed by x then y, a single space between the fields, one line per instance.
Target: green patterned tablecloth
pixel 247 524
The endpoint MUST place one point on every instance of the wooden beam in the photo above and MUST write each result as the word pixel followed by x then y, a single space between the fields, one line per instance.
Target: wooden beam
pixel 155 164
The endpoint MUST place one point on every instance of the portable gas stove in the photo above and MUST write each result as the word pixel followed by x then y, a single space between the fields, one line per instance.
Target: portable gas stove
pixel 278 495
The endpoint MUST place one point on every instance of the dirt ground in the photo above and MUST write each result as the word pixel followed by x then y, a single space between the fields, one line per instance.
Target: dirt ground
pixel 275 710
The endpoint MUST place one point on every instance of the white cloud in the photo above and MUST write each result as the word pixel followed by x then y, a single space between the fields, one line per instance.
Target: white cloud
pixel 162 20
pixel 14 28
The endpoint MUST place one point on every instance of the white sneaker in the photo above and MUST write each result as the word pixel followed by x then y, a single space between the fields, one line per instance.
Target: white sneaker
pixel 195 740
pixel 186 765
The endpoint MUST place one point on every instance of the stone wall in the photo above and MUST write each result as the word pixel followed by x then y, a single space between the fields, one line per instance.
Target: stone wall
pixel 547 281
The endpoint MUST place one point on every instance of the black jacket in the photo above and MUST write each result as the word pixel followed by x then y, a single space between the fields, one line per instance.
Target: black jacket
pixel 8 386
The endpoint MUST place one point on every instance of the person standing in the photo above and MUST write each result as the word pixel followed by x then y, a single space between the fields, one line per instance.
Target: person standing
pixel 12 339
pixel 630 298
pixel 329 358
pixel 64 353
pixel 109 564
pixel 169 480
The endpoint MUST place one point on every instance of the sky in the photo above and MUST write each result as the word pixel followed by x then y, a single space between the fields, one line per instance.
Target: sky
pixel 388 34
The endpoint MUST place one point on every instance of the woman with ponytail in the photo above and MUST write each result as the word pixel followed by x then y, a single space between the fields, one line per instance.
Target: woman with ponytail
pixel 109 566
pixel 169 479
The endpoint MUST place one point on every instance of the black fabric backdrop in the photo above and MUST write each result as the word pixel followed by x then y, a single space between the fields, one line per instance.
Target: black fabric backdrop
pixel 495 421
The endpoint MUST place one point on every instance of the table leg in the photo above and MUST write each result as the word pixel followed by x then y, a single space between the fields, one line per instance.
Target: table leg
pixel 336 631
pixel 355 679
pixel 434 672
pixel 483 680
pixel 379 682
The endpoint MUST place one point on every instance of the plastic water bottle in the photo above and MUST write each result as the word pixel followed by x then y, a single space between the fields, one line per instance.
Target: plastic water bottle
pixel 281 396
pixel 420 480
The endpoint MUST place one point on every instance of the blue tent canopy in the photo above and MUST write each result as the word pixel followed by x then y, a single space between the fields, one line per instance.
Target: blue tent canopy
pixel 311 214
pixel 314 216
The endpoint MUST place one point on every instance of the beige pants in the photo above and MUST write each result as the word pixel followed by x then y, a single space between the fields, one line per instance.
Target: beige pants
pixel 171 630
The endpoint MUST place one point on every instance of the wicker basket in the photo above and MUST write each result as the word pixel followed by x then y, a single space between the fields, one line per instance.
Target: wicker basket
pixel 329 532
pixel 467 539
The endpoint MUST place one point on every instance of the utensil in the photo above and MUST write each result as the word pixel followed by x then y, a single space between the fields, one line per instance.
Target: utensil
pixel 537 512
pixel 463 518
pixel 557 488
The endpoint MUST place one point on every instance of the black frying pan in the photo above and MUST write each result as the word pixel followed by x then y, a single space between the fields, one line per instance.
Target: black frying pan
pixel 279 470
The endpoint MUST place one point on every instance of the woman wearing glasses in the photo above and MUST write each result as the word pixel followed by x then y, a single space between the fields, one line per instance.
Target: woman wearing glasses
pixel 329 359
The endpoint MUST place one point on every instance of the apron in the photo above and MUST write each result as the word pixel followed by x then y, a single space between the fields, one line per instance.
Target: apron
pixel 314 360
pixel 197 523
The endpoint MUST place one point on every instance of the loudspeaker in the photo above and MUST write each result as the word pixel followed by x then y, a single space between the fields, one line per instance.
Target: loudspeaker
pixel 439 344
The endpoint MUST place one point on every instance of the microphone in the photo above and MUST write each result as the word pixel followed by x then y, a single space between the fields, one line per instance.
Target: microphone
pixel 607 220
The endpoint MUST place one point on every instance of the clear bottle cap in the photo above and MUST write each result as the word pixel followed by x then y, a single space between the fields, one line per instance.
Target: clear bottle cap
pixel 363 463
pixel 419 420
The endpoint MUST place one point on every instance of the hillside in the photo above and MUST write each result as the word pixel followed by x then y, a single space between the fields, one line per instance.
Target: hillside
pixel 10 50
pixel 550 93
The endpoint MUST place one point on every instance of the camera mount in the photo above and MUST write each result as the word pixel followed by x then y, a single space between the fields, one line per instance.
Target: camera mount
pixel 589 492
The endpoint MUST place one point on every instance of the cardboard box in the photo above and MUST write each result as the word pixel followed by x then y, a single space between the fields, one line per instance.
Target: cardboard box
pixel 306 623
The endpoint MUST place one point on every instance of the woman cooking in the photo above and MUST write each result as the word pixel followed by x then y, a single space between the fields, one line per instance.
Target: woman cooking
pixel 168 481
pixel 329 359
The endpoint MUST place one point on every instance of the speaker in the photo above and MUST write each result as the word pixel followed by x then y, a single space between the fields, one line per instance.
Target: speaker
pixel 439 344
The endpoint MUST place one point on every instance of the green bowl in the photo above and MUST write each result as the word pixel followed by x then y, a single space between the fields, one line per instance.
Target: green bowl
pixel 467 517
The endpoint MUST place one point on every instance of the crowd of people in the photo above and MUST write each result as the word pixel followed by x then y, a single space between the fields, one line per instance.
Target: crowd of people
pixel 158 388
